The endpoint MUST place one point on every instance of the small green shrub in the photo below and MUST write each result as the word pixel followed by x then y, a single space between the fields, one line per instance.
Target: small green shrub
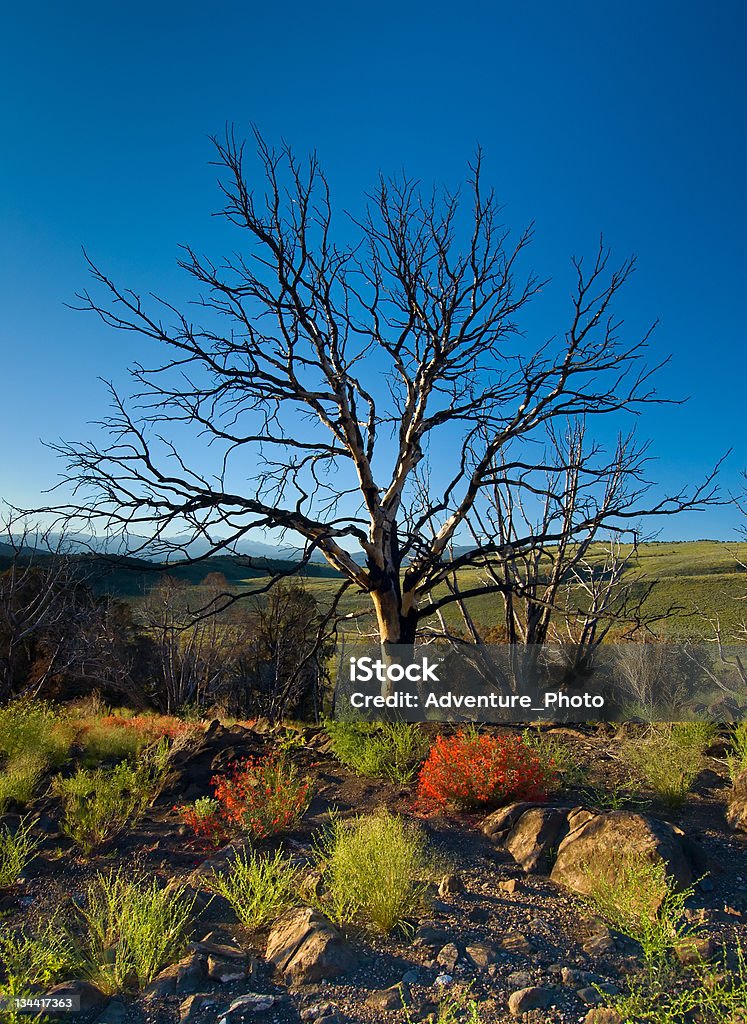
pixel 737 757
pixel 375 870
pixel 705 993
pixel 203 817
pixel 36 959
pixel 99 804
pixel 103 741
pixel 32 740
pixel 16 850
pixel 20 779
pixel 557 759
pixel 670 757
pixel 613 797
pixel 131 929
pixel 33 725
pixel 639 899
pixel 259 888
pixel 390 750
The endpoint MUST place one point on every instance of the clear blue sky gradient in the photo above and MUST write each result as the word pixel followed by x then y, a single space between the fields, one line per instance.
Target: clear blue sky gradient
pixel 622 118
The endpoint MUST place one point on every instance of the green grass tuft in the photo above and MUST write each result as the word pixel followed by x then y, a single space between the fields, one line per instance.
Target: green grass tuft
pixel 259 888
pixel 670 757
pixel 376 870
pixel 16 850
pixel 390 750
pixel 99 804
pixel 132 929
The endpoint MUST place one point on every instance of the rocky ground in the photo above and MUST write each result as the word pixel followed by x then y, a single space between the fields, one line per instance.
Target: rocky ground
pixel 505 925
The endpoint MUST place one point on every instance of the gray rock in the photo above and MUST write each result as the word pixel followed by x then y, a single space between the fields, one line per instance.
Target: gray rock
pixel 225 972
pixel 519 980
pixel 92 999
pixel 394 998
pixel 450 884
pixel 526 999
pixel 163 985
pixel 191 975
pixel 431 936
pixel 317 1011
pixel 575 978
pixel 448 956
pixel 218 949
pixel 251 1004
pixel 517 942
pixel 590 995
pixel 305 947
pixel 191 1008
pixel 503 820
pixel 604 838
pixel 603 1015
pixel 695 949
pixel 534 837
pixel 596 938
pixel 482 954
pixel 115 1013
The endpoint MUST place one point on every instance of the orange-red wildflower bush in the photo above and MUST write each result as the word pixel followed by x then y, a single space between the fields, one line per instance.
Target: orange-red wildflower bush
pixel 472 770
pixel 262 796
pixel 205 819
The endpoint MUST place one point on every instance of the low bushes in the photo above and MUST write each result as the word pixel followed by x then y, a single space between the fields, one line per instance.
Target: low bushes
pixel 34 725
pixel 40 958
pixel 640 900
pixel 262 796
pixel 259 888
pixel 20 779
pixel 129 930
pixel 99 804
pixel 670 757
pixel 16 850
pixel 204 818
pixel 376 870
pixel 737 757
pixel 119 736
pixel 119 936
pixel 258 796
pixel 391 750
pixel 560 764
pixel 472 770
pixel 32 740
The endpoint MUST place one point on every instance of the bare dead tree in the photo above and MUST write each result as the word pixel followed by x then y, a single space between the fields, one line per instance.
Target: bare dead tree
pixel 326 372
pixel 573 590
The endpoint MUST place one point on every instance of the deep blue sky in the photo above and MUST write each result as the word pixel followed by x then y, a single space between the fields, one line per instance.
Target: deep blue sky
pixel 627 118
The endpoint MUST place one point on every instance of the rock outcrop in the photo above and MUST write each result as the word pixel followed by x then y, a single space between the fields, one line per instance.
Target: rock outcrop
pixel 305 947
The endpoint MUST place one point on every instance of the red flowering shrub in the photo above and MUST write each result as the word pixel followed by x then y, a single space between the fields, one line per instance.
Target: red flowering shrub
pixel 204 818
pixel 262 795
pixel 472 770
